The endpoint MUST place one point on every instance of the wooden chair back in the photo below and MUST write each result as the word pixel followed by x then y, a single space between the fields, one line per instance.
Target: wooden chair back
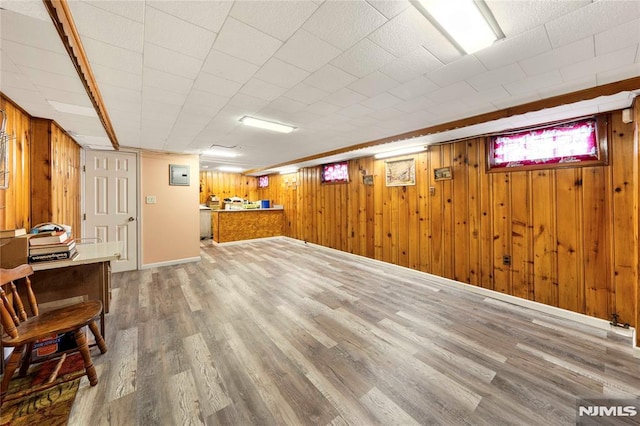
pixel 12 303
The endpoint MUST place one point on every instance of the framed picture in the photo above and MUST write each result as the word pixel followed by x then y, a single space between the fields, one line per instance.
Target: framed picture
pixel 367 179
pixel 400 172
pixel 443 173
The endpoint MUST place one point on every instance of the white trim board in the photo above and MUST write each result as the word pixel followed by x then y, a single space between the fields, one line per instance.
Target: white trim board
pixel 537 306
pixel 171 262
pixel 232 243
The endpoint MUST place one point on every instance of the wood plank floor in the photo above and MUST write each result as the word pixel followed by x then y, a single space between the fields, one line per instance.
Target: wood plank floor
pixel 276 332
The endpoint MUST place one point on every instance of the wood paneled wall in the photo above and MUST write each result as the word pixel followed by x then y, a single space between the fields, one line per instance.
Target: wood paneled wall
pixel 55 176
pixel 44 181
pixel 15 201
pixel 571 234
pixel 226 185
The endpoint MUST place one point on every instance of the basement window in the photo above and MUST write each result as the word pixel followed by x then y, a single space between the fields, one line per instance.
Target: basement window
pixel 577 143
pixel 263 181
pixel 335 172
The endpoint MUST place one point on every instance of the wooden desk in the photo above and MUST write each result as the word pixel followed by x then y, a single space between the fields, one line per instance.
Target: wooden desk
pixel 86 277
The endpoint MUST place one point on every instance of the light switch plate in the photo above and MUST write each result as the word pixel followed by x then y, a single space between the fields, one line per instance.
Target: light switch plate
pixel 150 199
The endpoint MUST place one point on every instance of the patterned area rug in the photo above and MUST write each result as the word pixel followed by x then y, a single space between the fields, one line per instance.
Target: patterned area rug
pixel 48 407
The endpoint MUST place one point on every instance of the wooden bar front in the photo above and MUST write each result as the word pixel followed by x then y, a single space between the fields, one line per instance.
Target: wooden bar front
pixel 237 225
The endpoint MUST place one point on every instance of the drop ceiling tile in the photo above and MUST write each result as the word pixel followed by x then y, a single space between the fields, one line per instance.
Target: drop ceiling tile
pixel 572 53
pixel 162 95
pixel 600 64
pixel 381 101
pixel 417 87
pixel 116 77
pixel 279 19
pixel 175 34
pixel 356 110
pixel 244 42
pixel 568 86
pixel 389 8
pixel 162 79
pixel 305 94
pixel 344 23
pixel 322 108
pixel 154 104
pixel 515 100
pixel 217 85
pixel 114 57
pixel 455 91
pixel 617 74
pixel 244 104
pixel 344 97
pixel 30 31
pixel 591 19
pixel 15 80
pixel 496 77
pixel 205 102
pixel 511 50
pixel 515 17
pixel 617 38
pixel 373 84
pixel 93 22
pixel 72 98
pixel 262 90
pixel 307 51
pixel 30 10
pixel 420 103
pixel 127 9
pixel 411 65
pixel 456 71
pixel 281 74
pixel 410 30
pixel 286 105
pixel 206 14
pixel 534 83
pixel 329 79
pixel 363 59
pixel 170 61
pixel 115 96
pixel 38 59
pixel 387 114
pixel 229 67
pixel 43 78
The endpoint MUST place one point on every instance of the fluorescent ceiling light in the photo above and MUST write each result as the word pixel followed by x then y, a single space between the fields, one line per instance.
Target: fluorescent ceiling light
pixel 463 22
pixel 73 109
pixel 219 153
pixel 403 151
pixel 269 125
pixel 230 169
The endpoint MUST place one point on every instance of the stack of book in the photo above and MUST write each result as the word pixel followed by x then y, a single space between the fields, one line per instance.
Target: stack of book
pixel 51 246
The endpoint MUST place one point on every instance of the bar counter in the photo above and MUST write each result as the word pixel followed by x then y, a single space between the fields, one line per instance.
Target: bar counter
pixel 246 224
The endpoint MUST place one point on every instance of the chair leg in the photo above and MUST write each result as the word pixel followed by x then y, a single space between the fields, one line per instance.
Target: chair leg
pixel 26 361
pixel 102 345
pixel 10 368
pixel 83 347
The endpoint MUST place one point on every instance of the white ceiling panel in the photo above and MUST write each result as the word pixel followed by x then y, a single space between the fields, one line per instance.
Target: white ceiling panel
pixel 175 34
pixel 229 67
pixel 591 19
pixel 330 79
pixel 343 23
pixel 281 74
pixel 209 15
pixel 307 51
pixel 244 42
pixel 170 61
pixel 96 23
pixel 279 19
pixel 363 59
pixel 179 75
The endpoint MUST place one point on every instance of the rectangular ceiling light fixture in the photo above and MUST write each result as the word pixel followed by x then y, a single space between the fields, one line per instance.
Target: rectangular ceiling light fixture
pixel 403 151
pixel 73 109
pixel 268 125
pixel 468 24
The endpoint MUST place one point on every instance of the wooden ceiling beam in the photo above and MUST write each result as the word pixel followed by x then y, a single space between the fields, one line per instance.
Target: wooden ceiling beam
pixel 63 21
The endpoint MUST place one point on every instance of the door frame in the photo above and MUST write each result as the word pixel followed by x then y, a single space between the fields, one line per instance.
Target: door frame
pixel 83 196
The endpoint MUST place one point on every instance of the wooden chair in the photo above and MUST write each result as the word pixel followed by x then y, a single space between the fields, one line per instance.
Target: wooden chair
pixel 21 331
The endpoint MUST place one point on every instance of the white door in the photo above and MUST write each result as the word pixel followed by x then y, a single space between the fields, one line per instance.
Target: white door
pixel 111 203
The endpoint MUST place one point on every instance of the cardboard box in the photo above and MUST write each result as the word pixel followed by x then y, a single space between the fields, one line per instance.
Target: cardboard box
pixel 14 251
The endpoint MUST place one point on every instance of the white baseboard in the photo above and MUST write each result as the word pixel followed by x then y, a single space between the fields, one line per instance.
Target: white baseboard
pixel 540 307
pixel 231 243
pixel 171 262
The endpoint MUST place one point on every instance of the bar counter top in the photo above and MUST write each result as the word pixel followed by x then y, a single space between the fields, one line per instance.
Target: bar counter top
pixel 246 224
